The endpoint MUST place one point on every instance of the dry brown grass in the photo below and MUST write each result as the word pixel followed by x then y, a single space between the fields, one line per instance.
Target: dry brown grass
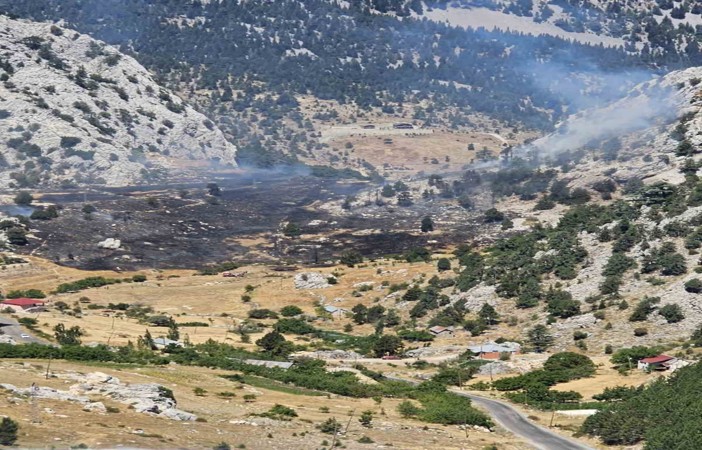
pixel 68 424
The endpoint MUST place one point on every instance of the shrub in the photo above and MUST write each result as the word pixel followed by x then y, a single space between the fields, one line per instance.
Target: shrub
pixel 29 293
pixel 694 286
pixel 351 257
pixel 492 215
pixel 366 419
pixel 408 409
pixel 640 332
pixel 70 141
pixel 579 335
pixel 280 412
pixel 290 311
pixel 645 307
pixel 330 426
pixel 570 365
pixel 443 265
pixel 200 392
pixel 262 314
pixel 8 431
pixel 24 198
pixel 672 313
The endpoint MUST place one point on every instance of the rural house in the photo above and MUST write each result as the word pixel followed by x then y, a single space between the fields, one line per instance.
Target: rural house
pixel 439 331
pixel 162 342
pixel 334 311
pixel 492 350
pixel 23 304
pixel 660 362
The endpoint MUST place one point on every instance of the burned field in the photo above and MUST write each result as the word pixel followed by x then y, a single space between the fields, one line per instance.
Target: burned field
pixel 183 226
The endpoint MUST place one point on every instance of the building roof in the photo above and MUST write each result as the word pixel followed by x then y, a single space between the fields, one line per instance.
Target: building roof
pixel 439 329
pixel 165 341
pixel 657 359
pixel 333 309
pixel 261 362
pixel 491 347
pixel 22 302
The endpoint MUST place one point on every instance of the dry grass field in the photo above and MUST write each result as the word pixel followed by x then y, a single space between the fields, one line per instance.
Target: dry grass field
pixel 45 423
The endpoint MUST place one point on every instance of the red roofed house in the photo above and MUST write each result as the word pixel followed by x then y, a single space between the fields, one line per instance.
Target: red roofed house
pixel 660 362
pixel 22 304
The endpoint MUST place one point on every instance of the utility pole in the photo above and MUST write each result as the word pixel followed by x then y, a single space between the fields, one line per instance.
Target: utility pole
pixel 33 402
pixel 48 365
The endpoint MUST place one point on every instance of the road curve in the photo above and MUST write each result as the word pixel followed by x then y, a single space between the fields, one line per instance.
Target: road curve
pixel 515 422
pixel 12 328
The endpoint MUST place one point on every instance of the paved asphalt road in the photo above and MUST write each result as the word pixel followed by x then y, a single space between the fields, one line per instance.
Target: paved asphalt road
pixel 514 421
pixel 12 328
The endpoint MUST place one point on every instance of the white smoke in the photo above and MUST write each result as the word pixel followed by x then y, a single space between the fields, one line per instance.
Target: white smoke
pixel 647 106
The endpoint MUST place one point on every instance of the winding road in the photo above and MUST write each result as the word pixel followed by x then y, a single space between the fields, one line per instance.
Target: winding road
pixel 515 422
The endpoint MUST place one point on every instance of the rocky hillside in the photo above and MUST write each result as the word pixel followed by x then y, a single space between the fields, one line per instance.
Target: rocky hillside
pixel 75 110
pixel 659 30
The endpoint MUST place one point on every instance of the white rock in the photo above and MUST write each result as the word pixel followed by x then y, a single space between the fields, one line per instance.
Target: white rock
pixel 110 243
pixel 311 280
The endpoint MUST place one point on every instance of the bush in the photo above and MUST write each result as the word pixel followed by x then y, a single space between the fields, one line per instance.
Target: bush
pixel 294 326
pixel 24 198
pixel 640 332
pixel 443 265
pixel 694 286
pixel 330 426
pixel 29 293
pixel 570 365
pixel 280 412
pixel 351 257
pixel 408 409
pixel 8 431
pixel 290 311
pixel 645 307
pixel 672 313
pixel 492 215
pixel 262 314
pixel 70 141
pixel 85 283
pixel 579 335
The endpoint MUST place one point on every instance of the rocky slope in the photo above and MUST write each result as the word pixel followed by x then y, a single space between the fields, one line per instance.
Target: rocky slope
pixel 73 110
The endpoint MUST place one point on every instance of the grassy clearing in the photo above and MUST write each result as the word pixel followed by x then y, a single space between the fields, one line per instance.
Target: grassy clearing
pixel 265 383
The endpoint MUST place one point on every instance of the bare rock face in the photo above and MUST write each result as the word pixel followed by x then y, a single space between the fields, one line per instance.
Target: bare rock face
pixel 73 109
pixel 150 398
pixel 144 397
pixel 311 280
